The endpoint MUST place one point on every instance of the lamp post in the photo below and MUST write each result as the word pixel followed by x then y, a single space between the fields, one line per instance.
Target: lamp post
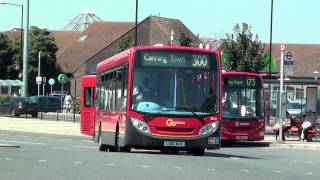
pixel 270 59
pixel 136 26
pixel 21 24
pixel 25 51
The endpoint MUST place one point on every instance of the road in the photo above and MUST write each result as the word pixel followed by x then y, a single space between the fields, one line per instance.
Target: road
pixel 48 156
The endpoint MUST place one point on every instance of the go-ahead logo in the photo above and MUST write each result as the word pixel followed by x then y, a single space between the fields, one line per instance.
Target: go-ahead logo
pixel 171 122
pixel 200 61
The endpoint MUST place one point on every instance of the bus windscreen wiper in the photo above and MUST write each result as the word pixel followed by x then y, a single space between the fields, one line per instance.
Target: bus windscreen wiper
pixel 148 115
pixel 190 109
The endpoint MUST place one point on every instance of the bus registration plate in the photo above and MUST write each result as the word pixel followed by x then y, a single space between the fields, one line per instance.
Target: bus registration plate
pixel 174 143
pixel 242 137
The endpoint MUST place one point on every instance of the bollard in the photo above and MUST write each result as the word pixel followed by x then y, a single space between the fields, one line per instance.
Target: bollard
pixel 74 113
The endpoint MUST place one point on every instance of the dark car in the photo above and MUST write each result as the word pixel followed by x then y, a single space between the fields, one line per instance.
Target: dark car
pixel 47 103
pixel 17 105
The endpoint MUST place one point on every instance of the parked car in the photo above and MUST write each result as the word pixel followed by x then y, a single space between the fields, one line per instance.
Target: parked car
pixel 59 94
pixel 296 108
pixel 17 105
pixel 47 103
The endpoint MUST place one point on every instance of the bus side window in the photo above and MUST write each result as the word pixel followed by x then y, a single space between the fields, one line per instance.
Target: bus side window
pixel 87 97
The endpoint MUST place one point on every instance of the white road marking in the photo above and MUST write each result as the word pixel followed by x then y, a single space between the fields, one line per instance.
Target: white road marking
pixel 92 147
pixel 110 164
pixel 244 170
pixel 23 142
pixel 8 158
pixel 42 160
pixel 234 158
pixel 177 167
pixel 277 171
pixel 66 139
pixel 211 169
pixel 310 162
pixel 308 173
pixel 77 162
pixel 144 166
pixel 4 134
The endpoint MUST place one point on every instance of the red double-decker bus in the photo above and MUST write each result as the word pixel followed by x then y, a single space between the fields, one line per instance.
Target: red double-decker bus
pixel 159 97
pixel 88 84
pixel 243 112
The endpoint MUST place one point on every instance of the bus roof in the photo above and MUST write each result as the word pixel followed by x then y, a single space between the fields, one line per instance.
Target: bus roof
pixel 88 80
pixel 123 56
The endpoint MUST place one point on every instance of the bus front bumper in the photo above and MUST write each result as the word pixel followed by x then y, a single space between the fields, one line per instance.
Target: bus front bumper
pixel 136 139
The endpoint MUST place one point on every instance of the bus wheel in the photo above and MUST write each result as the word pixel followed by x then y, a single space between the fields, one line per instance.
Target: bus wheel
pixel 102 147
pixel 115 148
pixel 197 152
pixel 164 151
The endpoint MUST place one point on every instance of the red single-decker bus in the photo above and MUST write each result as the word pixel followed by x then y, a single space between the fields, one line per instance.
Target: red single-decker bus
pixel 243 112
pixel 159 97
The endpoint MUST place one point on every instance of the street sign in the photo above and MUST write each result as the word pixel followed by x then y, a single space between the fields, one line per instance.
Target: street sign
pixel 38 80
pixel 62 78
pixel 288 56
pixel 44 80
pixel 282 47
pixel 288 63
pixel 51 81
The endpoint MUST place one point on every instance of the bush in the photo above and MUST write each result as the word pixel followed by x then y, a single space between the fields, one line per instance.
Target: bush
pixel 3 96
pixel 76 106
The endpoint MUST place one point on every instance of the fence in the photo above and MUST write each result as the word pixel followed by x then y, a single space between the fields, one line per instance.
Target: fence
pixel 63 116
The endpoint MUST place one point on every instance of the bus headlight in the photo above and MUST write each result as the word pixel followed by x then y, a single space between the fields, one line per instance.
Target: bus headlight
pixel 209 128
pixel 140 125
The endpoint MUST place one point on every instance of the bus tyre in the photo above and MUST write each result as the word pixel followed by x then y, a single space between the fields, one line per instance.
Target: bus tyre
pixel 197 152
pixel 309 137
pixel 115 148
pixel 102 147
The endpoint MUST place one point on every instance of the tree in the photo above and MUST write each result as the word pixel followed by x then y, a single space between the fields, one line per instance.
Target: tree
pixel 243 52
pixel 40 40
pixel 124 43
pixel 6 54
pixel 185 40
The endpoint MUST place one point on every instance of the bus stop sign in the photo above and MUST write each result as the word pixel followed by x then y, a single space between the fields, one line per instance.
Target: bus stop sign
pixel 62 78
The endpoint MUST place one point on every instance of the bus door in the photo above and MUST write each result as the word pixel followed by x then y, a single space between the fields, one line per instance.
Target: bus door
pixel 87 110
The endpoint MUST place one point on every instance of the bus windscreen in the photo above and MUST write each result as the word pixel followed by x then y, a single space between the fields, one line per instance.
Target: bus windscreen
pixel 175 82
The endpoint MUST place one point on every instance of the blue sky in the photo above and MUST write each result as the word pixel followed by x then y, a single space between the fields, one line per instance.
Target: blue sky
pixel 295 21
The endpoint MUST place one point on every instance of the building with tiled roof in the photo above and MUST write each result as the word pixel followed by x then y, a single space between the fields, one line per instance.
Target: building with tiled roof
pixel 101 40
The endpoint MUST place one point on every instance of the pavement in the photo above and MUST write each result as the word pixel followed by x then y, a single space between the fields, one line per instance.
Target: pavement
pixel 73 129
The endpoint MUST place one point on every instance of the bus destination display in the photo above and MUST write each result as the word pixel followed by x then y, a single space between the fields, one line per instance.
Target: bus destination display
pixel 240 81
pixel 175 59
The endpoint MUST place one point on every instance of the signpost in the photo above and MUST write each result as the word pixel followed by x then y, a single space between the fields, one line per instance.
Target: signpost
pixel 38 82
pixel 44 80
pixel 62 78
pixel 282 105
pixel 288 63
pixel 51 82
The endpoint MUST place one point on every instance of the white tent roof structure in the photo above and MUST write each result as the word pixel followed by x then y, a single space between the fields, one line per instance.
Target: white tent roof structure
pixel 82 21
pixel 9 82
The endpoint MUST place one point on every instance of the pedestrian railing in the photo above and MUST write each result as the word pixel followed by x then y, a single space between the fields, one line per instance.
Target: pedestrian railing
pixel 60 116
